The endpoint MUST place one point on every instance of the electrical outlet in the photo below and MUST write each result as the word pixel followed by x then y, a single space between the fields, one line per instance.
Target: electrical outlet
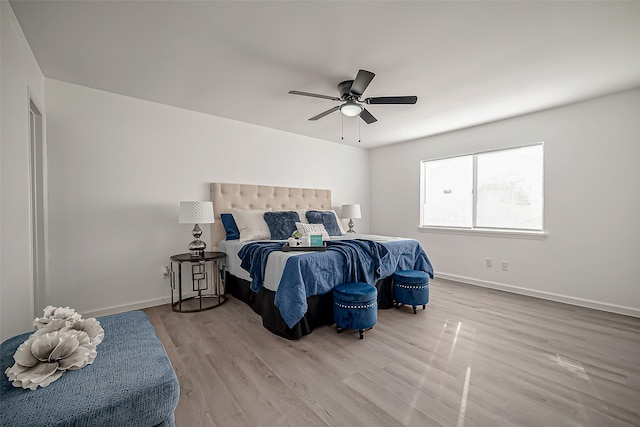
pixel 488 262
pixel 505 266
pixel 165 271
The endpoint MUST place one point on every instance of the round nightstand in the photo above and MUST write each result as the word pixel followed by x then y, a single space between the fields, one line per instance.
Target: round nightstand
pixel 202 279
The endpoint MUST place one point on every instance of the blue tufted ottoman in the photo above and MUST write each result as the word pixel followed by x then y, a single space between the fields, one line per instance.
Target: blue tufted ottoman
pixel 411 287
pixel 355 306
pixel 131 383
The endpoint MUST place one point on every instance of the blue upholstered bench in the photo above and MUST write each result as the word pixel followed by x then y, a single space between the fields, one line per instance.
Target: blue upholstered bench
pixel 355 306
pixel 130 383
pixel 411 287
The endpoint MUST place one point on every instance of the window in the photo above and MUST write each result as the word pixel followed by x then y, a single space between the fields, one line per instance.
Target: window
pixel 493 190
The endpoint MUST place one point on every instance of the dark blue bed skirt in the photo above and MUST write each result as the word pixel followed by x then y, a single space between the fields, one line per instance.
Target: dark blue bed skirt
pixel 319 313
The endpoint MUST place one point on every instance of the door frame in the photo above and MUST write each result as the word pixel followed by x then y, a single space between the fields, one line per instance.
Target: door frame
pixel 38 204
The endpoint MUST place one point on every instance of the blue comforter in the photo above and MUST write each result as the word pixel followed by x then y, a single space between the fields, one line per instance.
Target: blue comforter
pixel 316 273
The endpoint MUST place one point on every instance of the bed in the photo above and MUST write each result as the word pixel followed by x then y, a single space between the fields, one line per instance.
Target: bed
pixel 291 297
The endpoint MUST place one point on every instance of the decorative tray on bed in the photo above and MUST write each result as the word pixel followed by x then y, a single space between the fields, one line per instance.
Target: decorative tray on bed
pixel 287 248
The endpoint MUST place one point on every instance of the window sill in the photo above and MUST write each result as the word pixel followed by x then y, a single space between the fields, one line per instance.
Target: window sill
pixel 510 234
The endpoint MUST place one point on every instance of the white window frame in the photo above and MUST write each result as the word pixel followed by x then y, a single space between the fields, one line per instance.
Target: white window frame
pixel 474 230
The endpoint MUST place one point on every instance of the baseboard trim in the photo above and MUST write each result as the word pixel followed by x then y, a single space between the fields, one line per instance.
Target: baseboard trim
pixel 580 302
pixel 125 307
pixel 612 308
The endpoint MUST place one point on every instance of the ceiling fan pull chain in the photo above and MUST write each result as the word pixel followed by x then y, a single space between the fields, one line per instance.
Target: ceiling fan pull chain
pixel 359 131
pixel 342 128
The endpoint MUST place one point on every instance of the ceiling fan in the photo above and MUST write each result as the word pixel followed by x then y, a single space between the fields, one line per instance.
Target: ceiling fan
pixel 350 92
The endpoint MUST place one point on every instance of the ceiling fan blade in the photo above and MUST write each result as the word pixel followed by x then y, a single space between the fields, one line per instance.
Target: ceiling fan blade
pixel 315 95
pixel 392 100
pixel 367 116
pixel 361 82
pixel 325 113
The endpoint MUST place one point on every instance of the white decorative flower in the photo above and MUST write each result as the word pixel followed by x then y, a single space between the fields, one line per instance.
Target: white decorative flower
pixel 43 358
pixel 52 313
pixel 51 326
pixel 91 327
pixel 63 341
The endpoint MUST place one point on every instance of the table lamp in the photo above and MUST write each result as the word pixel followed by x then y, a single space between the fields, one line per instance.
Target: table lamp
pixel 351 211
pixel 196 213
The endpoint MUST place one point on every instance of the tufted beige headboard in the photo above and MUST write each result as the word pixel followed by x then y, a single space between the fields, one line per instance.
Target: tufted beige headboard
pixel 245 196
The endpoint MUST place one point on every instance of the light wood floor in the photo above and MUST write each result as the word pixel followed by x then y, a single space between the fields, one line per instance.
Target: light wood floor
pixel 474 357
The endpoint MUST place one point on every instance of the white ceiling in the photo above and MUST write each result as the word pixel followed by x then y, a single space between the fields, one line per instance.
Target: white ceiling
pixel 467 62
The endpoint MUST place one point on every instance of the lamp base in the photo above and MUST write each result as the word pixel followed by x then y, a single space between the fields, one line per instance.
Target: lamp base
pixel 350 230
pixel 197 247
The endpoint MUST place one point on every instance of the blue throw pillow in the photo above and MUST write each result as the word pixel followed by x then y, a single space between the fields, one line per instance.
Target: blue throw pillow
pixel 281 224
pixel 230 226
pixel 326 218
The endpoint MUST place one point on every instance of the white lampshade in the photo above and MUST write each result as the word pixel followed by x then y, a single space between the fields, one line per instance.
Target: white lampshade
pixel 196 213
pixel 351 211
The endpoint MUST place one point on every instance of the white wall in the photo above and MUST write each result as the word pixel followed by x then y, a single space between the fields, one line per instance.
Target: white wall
pixel 19 76
pixel 592 202
pixel 118 168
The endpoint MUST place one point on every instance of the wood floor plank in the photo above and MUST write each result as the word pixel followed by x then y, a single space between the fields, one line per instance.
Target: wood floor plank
pixel 474 357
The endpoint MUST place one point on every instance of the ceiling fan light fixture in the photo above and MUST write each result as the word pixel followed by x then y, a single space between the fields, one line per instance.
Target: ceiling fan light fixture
pixel 350 94
pixel 351 109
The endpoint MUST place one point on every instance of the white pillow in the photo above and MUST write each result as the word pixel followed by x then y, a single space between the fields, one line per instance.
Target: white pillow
pixel 312 229
pixel 251 224
pixel 302 213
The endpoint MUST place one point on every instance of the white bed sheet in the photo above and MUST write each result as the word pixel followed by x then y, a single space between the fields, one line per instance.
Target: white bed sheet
pixel 275 263
pixel 278 259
